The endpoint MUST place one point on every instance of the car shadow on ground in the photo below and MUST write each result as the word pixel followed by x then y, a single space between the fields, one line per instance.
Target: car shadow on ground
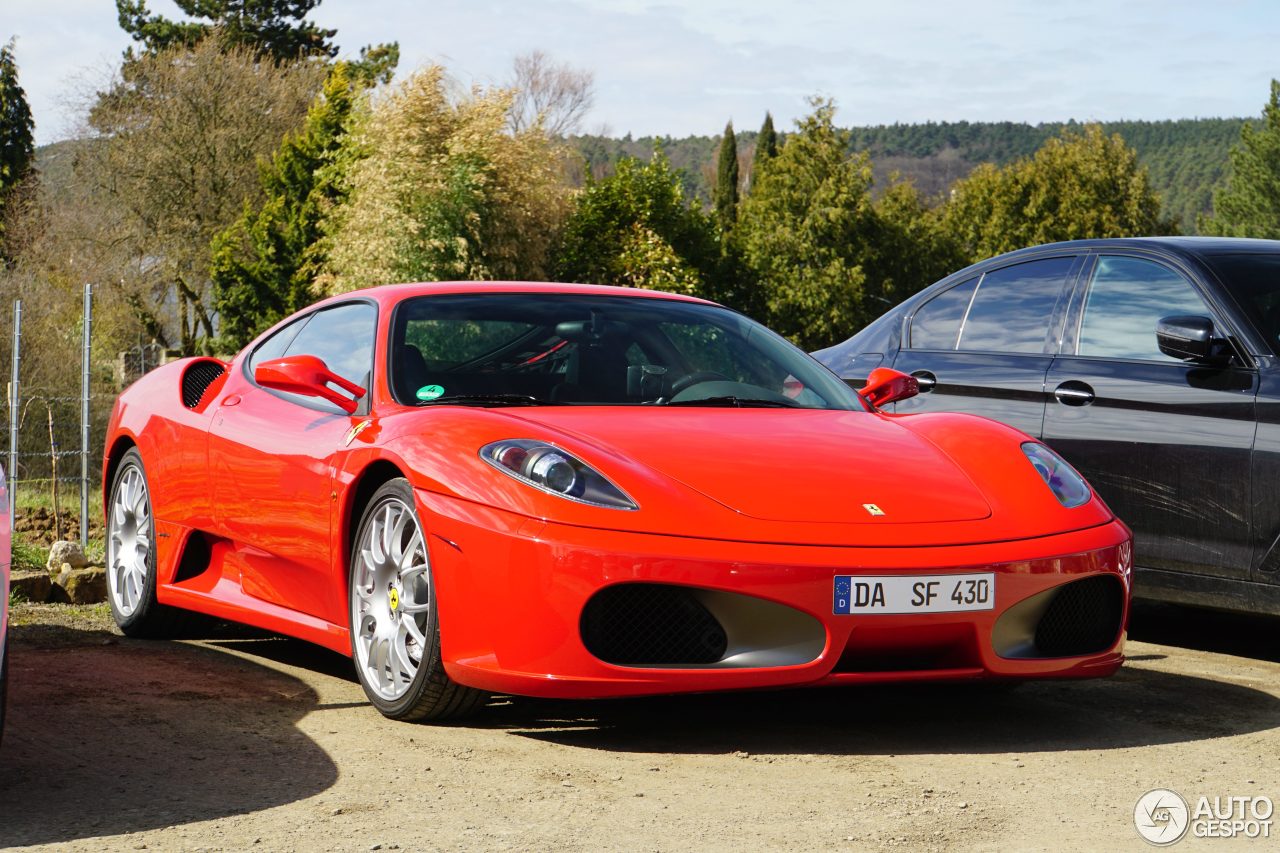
pixel 1144 704
pixel 107 736
pixel 1139 706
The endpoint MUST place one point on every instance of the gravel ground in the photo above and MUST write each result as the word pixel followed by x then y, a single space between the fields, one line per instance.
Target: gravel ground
pixel 249 742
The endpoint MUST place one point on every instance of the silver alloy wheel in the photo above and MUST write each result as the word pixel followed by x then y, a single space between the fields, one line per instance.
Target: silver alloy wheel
pixel 391 599
pixel 129 536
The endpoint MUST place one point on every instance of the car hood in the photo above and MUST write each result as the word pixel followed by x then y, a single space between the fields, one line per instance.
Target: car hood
pixel 770 476
pixel 787 465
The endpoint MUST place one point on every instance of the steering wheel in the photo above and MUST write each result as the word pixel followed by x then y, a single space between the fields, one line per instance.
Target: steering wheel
pixel 698 376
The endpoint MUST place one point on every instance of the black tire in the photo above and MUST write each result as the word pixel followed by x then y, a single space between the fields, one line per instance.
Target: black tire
pixel 149 619
pixel 431 694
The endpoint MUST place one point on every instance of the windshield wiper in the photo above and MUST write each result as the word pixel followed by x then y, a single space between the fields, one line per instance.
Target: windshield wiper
pixel 488 400
pixel 737 403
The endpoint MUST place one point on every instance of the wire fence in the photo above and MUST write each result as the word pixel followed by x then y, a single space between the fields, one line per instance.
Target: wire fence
pixel 54 458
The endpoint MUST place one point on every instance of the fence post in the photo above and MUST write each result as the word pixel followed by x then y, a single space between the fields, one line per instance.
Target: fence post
pixel 13 411
pixel 84 418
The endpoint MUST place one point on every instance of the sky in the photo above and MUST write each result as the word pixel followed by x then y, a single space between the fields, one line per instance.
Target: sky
pixel 686 67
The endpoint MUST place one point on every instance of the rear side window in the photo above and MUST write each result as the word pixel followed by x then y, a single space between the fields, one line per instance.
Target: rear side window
pixel 936 324
pixel 1013 307
pixel 1126 298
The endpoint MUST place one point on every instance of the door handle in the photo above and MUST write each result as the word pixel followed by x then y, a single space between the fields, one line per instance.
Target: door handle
pixel 1074 393
pixel 925 379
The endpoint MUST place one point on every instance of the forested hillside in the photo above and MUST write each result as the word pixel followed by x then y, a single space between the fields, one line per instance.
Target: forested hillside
pixel 1186 158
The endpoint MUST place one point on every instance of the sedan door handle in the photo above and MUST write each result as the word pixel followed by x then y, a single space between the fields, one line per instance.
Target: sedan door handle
pixel 1073 393
pixel 925 379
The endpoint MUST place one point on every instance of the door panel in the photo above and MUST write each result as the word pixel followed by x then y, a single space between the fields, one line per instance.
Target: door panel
pixel 272 464
pixel 1006 388
pixel 1167 444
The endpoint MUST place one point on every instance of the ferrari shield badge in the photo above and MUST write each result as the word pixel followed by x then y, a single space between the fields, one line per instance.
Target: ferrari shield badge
pixel 873 509
pixel 356 430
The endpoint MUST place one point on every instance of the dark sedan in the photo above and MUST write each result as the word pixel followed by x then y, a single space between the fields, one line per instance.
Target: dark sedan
pixel 1152 365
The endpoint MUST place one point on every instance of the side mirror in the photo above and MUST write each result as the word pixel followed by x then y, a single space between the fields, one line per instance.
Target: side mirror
pixel 886 385
pixel 1186 337
pixel 308 375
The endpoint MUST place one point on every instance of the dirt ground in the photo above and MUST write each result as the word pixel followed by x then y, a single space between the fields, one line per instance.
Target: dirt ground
pixel 248 742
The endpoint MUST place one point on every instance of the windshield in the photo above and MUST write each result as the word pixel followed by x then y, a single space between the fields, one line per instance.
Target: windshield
pixel 1254 281
pixel 571 349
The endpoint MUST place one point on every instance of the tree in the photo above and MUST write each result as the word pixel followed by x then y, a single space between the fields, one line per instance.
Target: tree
pixel 179 163
pixel 555 95
pixel 17 148
pixel 1078 185
pixel 264 264
pixel 635 227
pixel 766 145
pixel 803 230
pixel 1249 205
pixel 437 188
pixel 725 195
pixel 273 28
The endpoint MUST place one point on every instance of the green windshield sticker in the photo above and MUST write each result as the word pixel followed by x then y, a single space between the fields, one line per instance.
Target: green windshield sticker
pixel 430 392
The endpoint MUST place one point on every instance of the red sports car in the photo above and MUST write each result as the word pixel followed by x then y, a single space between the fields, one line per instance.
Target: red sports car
pixel 578 491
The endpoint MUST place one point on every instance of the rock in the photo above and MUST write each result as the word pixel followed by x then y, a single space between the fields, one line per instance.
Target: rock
pixel 84 586
pixel 66 552
pixel 33 586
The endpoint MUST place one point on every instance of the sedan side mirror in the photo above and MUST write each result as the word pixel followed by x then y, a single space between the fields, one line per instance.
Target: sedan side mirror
pixel 307 375
pixel 886 385
pixel 1186 337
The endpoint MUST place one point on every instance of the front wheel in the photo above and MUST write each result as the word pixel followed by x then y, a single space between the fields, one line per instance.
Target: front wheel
pixel 395 626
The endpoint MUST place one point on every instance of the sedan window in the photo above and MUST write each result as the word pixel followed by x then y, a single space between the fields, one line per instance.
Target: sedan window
pixel 1126 298
pixel 1013 307
pixel 936 324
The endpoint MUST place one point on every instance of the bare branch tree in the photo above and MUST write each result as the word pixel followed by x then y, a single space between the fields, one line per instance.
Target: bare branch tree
pixel 556 93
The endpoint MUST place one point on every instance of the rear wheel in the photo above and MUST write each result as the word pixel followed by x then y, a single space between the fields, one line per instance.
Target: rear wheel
pixel 395 627
pixel 131 556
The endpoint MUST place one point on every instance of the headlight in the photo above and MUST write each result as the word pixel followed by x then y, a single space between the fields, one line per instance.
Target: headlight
pixel 555 471
pixel 1067 486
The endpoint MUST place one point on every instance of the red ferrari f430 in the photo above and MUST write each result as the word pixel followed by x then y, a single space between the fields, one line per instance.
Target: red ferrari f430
pixel 580 491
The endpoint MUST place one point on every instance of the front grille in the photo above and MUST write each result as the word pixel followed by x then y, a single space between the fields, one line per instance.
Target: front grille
pixel 1083 618
pixel 638 624
pixel 197 379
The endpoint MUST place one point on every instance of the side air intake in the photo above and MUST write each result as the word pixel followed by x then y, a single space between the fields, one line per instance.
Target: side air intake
pixel 196 381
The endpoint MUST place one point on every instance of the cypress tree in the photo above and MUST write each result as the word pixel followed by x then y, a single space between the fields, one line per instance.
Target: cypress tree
pixel 725 195
pixel 766 144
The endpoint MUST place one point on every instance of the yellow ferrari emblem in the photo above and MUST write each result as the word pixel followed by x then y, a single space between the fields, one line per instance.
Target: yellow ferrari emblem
pixel 873 509
pixel 356 430
pixel 395 600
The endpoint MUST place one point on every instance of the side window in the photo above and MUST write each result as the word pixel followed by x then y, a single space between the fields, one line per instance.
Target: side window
pixel 1126 297
pixel 342 337
pixel 936 324
pixel 1013 307
pixel 274 346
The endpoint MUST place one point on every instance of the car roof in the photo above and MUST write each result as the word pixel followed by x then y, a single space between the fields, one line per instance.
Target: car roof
pixel 1190 246
pixel 392 293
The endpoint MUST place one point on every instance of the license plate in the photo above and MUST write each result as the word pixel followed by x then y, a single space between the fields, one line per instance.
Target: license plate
pixel 864 594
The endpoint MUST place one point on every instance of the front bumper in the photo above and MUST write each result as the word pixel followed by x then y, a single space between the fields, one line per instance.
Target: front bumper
pixel 511 593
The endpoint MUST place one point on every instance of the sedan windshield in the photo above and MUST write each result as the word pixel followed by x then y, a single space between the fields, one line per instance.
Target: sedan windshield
pixel 1254 281
pixel 522 349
